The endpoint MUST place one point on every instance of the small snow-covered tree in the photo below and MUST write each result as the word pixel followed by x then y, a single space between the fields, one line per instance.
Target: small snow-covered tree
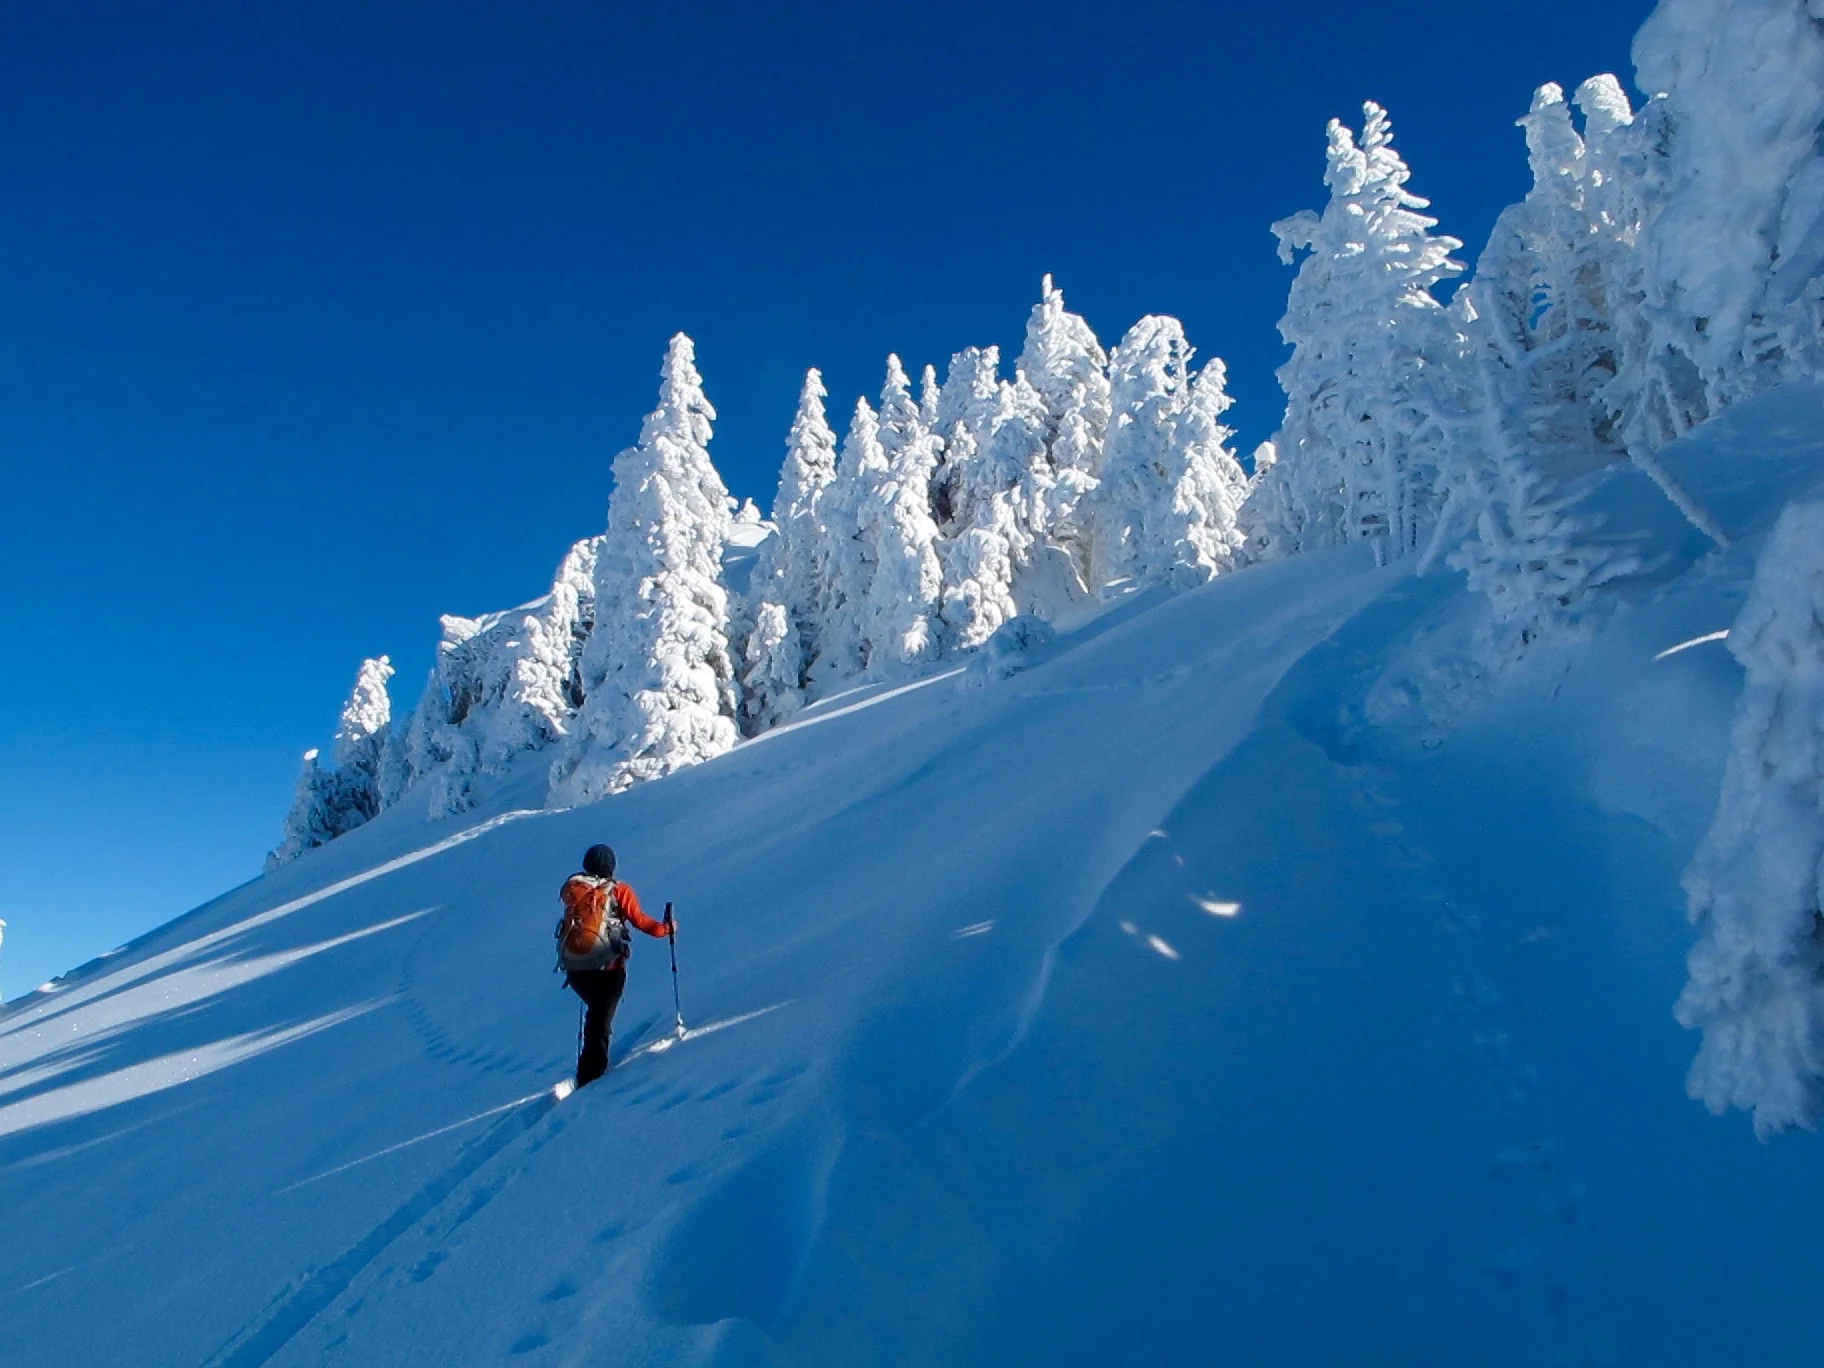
pixel 1756 973
pixel 976 497
pixel 1545 282
pixel 307 824
pixel 792 584
pixel 1359 438
pixel 658 683
pixel 332 800
pixel 1067 370
pixel 964 418
pixel 505 684
pixel 848 512
pixel 1734 245
pixel 546 688
pixel 1524 409
pixel 902 623
pixel 1165 510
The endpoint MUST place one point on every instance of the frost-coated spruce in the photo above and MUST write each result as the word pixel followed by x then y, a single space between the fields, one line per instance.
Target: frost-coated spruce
pixel 1756 986
pixel 901 622
pixel 1165 509
pixel 658 684
pixel 334 799
pixel 792 584
pixel 1067 370
pixel 850 507
pixel 1736 241
pixel 1358 444
pixel 982 493
pixel 503 685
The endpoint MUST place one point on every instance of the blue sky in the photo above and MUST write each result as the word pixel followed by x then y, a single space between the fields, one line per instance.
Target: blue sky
pixel 319 321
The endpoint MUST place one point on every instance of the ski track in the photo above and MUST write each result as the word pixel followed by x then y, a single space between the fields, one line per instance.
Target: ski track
pixel 1544 1197
pixel 1544 1194
pixel 259 1342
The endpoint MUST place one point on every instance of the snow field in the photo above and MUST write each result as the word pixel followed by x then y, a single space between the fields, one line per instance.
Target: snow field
pixel 1189 992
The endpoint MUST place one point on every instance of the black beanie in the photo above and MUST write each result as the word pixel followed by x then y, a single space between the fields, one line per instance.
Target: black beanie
pixel 599 861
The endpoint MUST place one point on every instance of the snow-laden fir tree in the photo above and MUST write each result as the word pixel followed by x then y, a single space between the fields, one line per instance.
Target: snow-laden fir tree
pixel 1165 510
pixel 902 622
pixel 1734 249
pixel 1067 369
pixel 1526 413
pixel 1359 439
pixel 964 417
pixel 1756 973
pixel 1545 281
pixel 332 800
pixel 847 514
pixel 792 583
pixel 658 683
pixel 980 493
pixel 504 684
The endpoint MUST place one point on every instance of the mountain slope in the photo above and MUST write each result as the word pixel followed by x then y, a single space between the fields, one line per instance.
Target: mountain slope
pixel 1148 1005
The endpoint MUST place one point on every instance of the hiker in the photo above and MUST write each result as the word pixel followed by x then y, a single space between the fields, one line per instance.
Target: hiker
pixel 592 950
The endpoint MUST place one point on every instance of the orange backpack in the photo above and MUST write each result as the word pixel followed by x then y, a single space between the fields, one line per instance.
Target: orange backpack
pixel 591 934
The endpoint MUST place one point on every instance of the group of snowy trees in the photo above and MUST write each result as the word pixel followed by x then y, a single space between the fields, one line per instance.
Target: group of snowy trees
pixel 1668 262
pixel 936 519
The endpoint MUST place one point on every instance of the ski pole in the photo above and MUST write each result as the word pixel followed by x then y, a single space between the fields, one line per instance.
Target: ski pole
pixel 672 940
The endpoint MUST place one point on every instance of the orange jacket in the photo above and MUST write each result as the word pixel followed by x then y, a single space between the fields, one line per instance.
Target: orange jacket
pixel 629 902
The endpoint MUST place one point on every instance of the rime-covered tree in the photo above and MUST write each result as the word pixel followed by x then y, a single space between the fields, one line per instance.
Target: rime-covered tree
pixel 1756 974
pixel 658 683
pixel 504 684
pixel 963 420
pixel 1359 438
pixel 1165 510
pixel 1067 369
pixel 332 800
pixel 902 622
pixel 982 495
pixel 1526 412
pixel 1734 245
pixel 792 583
pixel 1543 284
pixel 848 512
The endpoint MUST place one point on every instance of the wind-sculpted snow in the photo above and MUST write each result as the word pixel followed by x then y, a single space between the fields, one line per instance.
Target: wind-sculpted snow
pixel 1319 1037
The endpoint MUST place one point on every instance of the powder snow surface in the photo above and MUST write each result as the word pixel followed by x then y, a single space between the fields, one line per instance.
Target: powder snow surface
pixel 1147 1005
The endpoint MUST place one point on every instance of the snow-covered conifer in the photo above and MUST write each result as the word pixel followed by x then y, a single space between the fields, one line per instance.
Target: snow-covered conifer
pixel 1360 433
pixel 1734 248
pixel 504 684
pixel 306 824
pixel 332 800
pixel 1067 369
pixel 848 512
pixel 792 584
pixel 1756 974
pixel 902 623
pixel 658 683
pixel 964 418
pixel 1165 511
pixel 992 455
pixel 1546 280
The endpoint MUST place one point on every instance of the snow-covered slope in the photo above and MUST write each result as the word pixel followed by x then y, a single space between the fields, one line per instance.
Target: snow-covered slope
pixel 1148 1005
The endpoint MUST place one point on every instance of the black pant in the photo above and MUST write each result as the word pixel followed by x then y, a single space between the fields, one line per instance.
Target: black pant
pixel 601 990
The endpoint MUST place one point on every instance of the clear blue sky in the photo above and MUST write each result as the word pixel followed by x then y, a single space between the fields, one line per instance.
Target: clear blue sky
pixel 317 321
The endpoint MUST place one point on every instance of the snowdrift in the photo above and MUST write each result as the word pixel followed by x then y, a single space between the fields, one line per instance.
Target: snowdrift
pixel 1147 1004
